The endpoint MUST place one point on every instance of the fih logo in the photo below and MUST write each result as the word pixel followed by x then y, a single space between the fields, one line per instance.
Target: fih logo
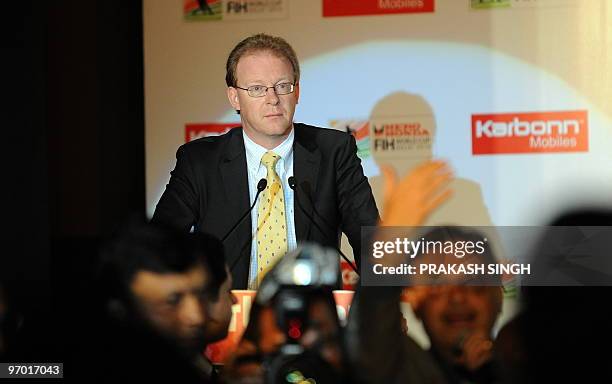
pixel 533 132
pixel 237 7
pixel 243 7
pixel 400 136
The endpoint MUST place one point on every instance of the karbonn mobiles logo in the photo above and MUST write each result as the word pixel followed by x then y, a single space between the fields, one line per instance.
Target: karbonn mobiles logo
pixel 565 131
pixel 332 8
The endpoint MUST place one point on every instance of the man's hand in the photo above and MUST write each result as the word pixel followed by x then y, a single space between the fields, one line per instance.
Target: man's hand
pixel 250 371
pixel 408 202
pixel 477 350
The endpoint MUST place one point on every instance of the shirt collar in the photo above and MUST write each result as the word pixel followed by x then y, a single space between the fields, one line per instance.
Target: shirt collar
pixel 256 151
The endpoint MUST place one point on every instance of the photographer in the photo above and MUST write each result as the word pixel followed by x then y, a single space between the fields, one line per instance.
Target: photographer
pixel 294 333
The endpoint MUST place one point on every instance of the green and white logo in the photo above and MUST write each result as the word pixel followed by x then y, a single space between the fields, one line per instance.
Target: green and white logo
pixel 488 4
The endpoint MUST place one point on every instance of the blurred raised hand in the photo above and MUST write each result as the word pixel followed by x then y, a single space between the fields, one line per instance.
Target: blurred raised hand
pixel 409 201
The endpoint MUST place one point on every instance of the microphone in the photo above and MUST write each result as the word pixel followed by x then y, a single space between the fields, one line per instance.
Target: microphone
pixel 261 185
pixel 292 183
pixel 306 189
pixel 457 349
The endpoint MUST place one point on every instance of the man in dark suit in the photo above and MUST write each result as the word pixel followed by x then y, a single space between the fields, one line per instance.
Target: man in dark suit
pixel 216 179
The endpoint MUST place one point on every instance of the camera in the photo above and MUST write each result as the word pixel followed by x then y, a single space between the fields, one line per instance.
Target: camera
pixel 299 291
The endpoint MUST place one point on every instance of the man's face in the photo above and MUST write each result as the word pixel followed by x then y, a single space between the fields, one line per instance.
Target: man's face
pixel 219 312
pixel 451 313
pixel 266 120
pixel 174 304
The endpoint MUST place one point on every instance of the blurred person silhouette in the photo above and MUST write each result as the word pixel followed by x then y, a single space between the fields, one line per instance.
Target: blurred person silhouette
pixel 509 351
pixel 294 334
pixel 403 131
pixel 156 285
pixel 459 316
pixel 218 310
pixel 566 329
pixel 378 349
pixel 413 116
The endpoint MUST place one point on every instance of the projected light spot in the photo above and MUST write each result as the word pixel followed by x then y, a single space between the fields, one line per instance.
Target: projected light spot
pixel 458 80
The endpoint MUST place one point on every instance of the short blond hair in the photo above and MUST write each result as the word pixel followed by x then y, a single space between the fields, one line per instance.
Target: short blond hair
pixel 260 42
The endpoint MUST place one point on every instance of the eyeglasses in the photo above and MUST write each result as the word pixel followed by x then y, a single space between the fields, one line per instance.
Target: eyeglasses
pixel 262 90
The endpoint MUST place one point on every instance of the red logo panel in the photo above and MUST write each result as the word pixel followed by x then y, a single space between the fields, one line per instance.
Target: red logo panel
pixel 196 130
pixel 532 132
pixel 332 8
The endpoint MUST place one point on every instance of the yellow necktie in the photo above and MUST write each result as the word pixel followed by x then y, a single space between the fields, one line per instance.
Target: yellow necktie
pixel 271 222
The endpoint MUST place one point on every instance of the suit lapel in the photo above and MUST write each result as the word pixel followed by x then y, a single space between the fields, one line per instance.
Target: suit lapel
pixel 233 169
pixel 306 161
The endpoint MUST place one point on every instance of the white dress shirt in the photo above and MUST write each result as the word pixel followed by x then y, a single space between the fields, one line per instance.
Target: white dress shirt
pixel 257 171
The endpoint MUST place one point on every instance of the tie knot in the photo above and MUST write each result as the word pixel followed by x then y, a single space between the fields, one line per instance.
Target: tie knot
pixel 269 159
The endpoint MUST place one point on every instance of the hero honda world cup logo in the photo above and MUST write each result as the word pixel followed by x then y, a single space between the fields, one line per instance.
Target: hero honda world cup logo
pixel 530 132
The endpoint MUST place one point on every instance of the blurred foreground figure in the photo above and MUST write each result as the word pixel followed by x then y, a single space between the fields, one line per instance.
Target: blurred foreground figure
pixel 459 318
pixel 379 350
pixel 294 334
pixel 156 286
pixel 562 335
pixel 218 311
pixel 219 308
pixel 566 330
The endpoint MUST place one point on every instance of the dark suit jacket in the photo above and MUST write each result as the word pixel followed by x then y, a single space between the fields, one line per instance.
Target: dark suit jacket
pixel 208 189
